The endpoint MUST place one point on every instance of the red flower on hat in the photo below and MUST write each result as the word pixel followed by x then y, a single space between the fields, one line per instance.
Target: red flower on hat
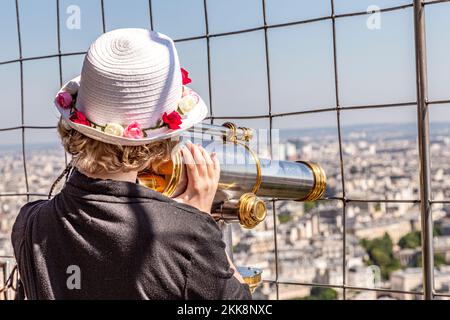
pixel 172 120
pixel 185 75
pixel 133 131
pixel 80 118
pixel 64 100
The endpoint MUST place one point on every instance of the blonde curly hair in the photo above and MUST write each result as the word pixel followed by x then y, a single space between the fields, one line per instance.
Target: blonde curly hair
pixel 96 157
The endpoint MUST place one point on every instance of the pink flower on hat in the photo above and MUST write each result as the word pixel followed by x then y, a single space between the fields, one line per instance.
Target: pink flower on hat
pixel 133 131
pixel 80 118
pixel 64 100
pixel 185 75
pixel 172 120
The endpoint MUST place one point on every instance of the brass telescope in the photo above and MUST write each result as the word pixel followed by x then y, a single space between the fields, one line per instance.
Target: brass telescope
pixel 245 179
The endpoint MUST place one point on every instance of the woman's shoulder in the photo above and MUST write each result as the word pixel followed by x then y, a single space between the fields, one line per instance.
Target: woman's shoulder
pixel 23 219
pixel 26 213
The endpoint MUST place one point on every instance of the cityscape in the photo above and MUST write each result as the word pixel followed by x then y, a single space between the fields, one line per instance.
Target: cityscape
pixel 382 238
pixel 382 217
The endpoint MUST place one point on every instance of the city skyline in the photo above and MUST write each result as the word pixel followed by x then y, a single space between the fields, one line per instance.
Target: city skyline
pixel 319 226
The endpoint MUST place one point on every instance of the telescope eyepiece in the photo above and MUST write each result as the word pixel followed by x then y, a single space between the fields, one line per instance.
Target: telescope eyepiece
pixel 252 210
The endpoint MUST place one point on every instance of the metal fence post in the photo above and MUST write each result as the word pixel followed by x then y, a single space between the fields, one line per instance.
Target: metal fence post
pixel 424 150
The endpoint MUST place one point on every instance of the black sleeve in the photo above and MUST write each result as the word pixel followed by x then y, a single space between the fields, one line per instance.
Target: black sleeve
pixel 22 222
pixel 20 238
pixel 209 275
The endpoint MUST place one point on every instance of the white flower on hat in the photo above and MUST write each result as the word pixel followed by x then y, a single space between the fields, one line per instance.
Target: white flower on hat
pixel 114 129
pixel 187 103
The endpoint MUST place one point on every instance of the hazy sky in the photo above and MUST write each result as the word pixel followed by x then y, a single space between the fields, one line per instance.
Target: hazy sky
pixel 374 66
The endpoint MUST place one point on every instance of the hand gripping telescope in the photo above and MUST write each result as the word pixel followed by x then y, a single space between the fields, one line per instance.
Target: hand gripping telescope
pixel 245 179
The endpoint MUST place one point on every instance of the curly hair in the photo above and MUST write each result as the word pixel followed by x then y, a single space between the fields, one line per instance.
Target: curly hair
pixel 96 157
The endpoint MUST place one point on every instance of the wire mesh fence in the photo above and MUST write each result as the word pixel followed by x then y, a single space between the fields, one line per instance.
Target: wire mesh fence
pixel 341 200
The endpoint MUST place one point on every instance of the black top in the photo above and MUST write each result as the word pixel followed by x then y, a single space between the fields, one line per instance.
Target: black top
pixel 126 241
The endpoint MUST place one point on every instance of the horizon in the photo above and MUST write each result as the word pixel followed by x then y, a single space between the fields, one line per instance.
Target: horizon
pixel 283 132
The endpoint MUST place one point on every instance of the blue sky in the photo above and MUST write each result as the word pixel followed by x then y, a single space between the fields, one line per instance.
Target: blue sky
pixel 374 66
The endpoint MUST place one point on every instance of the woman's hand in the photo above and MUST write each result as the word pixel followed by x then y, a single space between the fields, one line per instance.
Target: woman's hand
pixel 203 173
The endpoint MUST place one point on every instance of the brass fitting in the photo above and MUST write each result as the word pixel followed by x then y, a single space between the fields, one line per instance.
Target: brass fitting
pixel 252 210
pixel 237 133
pixel 232 136
pixel 320 182
pixel 251 276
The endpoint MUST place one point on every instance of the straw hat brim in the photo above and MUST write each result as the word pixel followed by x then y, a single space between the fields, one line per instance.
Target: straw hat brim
pixel 193 117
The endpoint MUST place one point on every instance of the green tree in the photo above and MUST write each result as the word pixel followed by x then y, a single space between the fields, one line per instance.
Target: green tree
pixel 381 254
pixel 319 293
pixel 309 205
pixel 283 218
pixel 437 231
pixel 410 240
pixel 439 260
pixel 413 239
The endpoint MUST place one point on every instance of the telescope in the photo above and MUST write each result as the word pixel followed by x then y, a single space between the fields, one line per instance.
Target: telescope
pixel 246 180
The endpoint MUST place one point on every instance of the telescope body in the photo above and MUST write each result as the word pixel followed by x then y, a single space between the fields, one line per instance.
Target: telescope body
pixel 246 180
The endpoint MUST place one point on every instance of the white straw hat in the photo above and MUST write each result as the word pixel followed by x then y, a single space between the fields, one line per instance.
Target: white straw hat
pixel 131 90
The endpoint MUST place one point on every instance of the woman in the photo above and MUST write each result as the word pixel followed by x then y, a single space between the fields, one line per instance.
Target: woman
pixel 103 236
